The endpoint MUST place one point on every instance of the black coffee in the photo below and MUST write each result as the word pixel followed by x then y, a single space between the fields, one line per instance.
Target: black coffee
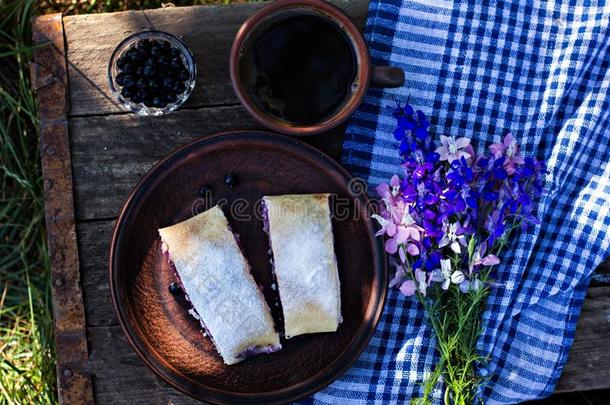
pixel 300 68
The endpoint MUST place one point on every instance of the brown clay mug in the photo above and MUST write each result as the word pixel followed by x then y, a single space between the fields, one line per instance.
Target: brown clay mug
pixel 301 67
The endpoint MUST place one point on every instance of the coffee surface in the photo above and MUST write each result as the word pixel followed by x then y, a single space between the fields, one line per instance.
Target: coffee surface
pixel 303 68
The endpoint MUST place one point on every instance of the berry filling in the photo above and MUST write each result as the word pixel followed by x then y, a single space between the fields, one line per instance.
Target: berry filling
pixel 247 352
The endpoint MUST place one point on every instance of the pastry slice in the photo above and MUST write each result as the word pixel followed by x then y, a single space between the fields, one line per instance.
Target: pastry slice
pixel 305 266
pixel 216 279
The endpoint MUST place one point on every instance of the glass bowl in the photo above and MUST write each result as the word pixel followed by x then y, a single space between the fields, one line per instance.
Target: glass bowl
pixel 128 43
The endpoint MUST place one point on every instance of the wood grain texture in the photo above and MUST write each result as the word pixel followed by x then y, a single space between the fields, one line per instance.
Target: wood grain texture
pixel 207 30
pixel 111 153
pixel 120 377
pixel 49 81
pixel 588 366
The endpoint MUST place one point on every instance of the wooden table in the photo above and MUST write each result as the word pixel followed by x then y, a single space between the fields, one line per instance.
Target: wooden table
pixel 93 153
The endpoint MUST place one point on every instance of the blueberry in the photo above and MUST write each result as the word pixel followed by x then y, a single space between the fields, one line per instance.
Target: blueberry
pixel 163 61
pixel 149 62
pixel 184 75
pixel 135 56
pixel 127 92
pixel 136 98
pixel 154 84
pixel 158 102
pixel 129 81
pixel 121 61
pixel 142 95
pixel 129 68
pixel 120 79
pixel 170 97
pixel 148 101
pixel 179 88
pixel 176 63
pixel 149 71
pixel 156 50
pixel 175 52
pixel 167 83
pixel 143 46
pixel 166 46
pixel 230 179
pixel 174 288
pixel 139 71
pixel 142 84
pixel 205 190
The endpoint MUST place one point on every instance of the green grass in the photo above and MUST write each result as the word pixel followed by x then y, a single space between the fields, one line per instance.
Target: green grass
pixel 27 371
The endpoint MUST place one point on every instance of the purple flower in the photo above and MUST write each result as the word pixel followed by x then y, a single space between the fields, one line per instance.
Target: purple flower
pixel 446 196
pixel 453 237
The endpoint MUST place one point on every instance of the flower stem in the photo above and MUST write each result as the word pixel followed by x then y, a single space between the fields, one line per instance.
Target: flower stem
pixel 455 319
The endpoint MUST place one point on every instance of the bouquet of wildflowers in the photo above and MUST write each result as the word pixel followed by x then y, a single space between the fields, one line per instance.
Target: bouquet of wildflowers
pixel 446 220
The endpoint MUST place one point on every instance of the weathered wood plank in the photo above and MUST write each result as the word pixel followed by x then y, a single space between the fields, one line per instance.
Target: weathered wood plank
pixel 111 153
pixel 588 366
pixel 94 247
pixel 120 377
pixel 207 30
pixel 49 81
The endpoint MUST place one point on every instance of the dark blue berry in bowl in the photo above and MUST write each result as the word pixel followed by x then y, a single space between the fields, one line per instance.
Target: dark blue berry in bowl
pixel 127 92
pixel 152 73
pixel 120 79
pixel 154 84
pixel 178 87
pixel 183 75
pixel 128 68
pixel 168 83
pixel 170 97
pixel 121 61
pixel 156 51
pixel 158 102
pixel 149 71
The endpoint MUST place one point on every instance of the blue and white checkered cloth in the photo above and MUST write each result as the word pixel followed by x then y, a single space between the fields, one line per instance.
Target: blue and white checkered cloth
pixel 540 70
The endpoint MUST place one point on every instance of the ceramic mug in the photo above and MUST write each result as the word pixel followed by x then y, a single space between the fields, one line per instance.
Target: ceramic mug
pixel 301 67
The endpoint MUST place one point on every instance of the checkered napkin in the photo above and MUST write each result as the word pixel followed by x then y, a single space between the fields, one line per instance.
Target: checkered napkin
pixel 540 70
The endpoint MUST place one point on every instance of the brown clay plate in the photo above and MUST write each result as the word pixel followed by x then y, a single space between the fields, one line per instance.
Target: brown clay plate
pixel 157 324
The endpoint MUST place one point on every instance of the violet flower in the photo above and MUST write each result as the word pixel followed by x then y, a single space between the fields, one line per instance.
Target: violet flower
pixel 453 237
pixel 436 205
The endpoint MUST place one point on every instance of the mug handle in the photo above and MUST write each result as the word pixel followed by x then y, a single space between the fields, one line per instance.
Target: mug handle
pixel 387 76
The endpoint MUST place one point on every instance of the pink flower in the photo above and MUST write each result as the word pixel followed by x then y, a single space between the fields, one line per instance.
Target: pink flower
pixel 407 229
pixel 399 277
pixel 509 148
pixel 389 191
pixel 453 148
pixel 387 226
pixel 478 258
pixel 408 288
